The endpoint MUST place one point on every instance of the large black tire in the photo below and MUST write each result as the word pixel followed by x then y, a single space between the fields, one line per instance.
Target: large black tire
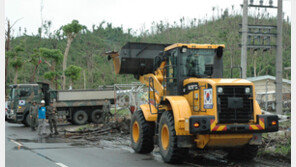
pixel 142 133
pixel 245 153
pixel 167 140
pixel 80 117
pixel 96 116
pixel 27 120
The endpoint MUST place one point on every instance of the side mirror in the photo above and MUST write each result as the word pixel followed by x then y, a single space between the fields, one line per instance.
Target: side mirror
pixel 238 68
pixel 183 49
pixel 220 51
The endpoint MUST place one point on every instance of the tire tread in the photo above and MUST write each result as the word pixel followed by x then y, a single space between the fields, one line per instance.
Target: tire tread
pixel 147 143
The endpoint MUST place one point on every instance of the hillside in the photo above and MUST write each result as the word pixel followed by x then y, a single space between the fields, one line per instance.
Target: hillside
pixel 88 47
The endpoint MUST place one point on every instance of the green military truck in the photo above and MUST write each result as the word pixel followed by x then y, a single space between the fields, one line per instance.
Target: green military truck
pixel 76 106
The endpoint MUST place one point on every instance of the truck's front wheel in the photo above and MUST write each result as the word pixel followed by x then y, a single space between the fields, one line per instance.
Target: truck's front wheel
pixel 167 140
pixel 80 117
pixel 27 120
pixel 142 133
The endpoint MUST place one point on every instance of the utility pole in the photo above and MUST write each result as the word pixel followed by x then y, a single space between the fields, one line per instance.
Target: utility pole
pixel 279 59
pixel 259 37
pixel 41 17
pixel 244 39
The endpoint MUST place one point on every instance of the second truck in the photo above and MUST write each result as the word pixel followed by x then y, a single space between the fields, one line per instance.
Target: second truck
pixel 75 106
pixel 190 104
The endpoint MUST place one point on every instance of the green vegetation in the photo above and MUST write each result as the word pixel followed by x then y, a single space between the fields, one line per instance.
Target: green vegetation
pixel 277 145
pixel 120 112
pixel 284 149
pixel 88 48
pixel 70 31
pixel 53 58
pixel 73 72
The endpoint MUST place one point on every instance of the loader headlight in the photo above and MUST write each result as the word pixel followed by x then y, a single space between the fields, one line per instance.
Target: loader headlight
pixel 247 90
pixel 220 90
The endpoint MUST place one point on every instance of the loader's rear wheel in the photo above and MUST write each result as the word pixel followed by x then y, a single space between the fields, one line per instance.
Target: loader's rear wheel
pixel 142 133
pixel 167 140
pixel 246 153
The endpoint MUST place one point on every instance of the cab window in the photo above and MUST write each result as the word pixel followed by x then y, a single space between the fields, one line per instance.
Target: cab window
pixel 172 66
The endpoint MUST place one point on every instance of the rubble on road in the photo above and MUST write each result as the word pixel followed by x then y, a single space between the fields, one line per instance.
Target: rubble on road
pixel 277 145
pixel 95 132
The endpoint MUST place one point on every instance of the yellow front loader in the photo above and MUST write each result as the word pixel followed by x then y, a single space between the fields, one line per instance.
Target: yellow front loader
pixel 190 104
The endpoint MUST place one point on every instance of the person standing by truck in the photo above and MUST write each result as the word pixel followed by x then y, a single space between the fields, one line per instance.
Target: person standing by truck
pixel 33 115
pixel 52 118
pixel 41 118
pixel 106 116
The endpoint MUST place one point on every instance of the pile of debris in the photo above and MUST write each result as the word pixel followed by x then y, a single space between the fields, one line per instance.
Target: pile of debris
pixel 95 132
pixel 278 144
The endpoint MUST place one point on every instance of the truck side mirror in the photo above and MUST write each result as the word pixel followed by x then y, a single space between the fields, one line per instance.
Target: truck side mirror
pixel 220 51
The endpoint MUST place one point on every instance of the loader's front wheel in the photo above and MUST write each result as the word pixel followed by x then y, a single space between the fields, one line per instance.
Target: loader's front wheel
pixel 167 140
pixel 142 133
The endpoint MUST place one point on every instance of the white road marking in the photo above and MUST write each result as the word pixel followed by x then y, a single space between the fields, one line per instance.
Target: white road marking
pixel 61 164
pixel 17 143
pixel 20 145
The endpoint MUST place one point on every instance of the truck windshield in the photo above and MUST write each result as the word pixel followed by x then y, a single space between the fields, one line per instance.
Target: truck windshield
pixel 198 62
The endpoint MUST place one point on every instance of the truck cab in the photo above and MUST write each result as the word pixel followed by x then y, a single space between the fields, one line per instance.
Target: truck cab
pixel 20 99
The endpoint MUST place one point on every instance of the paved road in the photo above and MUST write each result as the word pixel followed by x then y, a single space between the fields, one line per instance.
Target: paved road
pixel 24 148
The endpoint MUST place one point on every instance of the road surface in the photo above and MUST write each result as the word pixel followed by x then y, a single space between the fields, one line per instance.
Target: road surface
pixel 24 148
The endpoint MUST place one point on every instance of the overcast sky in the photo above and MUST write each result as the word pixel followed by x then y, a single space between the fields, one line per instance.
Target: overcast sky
pixel 134 14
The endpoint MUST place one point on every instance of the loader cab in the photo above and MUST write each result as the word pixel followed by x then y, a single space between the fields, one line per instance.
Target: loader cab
pixel 191 60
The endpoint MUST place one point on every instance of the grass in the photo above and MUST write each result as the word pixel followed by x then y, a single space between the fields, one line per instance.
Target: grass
pixel 284 149
pixel 81 128
pixel 276 145
pixel 120 112
pixel 285 125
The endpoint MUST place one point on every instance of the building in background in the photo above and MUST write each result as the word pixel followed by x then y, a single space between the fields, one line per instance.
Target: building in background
pixel 265 86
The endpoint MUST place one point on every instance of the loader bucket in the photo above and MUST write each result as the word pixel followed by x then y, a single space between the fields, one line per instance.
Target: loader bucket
pixel 136 58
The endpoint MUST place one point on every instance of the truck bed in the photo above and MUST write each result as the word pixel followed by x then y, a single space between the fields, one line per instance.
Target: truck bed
pixel 84 95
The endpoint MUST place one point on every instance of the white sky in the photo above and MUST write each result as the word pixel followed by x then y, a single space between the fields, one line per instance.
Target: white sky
pixel 134 14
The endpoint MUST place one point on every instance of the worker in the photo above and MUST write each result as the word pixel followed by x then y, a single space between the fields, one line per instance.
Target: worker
pixel 33 115
pixel 41 119
pixel 106 111
pixel 52 118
